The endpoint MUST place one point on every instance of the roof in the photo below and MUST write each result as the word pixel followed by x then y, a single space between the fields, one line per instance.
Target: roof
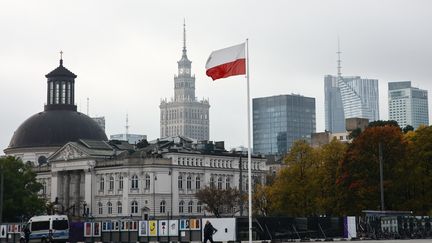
pixel 61 71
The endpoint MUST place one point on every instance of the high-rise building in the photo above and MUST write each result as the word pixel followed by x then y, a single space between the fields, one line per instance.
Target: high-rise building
pixel 278 121
pixel 184 115
pixel 349 97
pixel 408 105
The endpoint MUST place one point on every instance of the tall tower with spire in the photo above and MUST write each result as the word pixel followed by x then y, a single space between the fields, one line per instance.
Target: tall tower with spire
pixel 184 115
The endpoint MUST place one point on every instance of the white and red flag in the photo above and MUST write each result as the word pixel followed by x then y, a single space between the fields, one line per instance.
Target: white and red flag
pixel 226 62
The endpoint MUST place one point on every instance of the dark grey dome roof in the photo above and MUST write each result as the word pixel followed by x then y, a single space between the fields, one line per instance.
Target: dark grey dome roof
pixel 56 128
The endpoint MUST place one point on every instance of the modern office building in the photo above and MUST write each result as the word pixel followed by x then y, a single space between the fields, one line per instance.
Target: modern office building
pixel 408 105
pixel 280 120
pixel 184 115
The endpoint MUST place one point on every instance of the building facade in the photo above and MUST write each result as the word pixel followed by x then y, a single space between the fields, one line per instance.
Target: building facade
pixel 278 121
pixel 408 105
pixel 107 181
pixel 184 115
pixel 130 138
pixel 349 97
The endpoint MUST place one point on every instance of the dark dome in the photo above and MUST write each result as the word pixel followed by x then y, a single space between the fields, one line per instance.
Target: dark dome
pixel 55 128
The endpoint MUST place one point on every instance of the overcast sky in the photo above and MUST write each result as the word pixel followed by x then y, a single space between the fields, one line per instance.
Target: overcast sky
pixel 125 54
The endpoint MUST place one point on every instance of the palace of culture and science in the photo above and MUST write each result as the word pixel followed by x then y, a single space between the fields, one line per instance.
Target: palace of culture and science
pixel 184 115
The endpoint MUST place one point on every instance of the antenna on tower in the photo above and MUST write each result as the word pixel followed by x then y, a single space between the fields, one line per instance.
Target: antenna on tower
pixel 184 34
pixel 127 126
pixel 339 60
pixel 88 106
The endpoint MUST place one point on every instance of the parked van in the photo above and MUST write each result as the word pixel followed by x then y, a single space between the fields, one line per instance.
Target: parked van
pixel 46 228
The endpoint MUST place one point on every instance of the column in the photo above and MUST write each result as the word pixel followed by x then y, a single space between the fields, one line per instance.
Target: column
pixel 88 197
pixel 78 192
pixel 54 186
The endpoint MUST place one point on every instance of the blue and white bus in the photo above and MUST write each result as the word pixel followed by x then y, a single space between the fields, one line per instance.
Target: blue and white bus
pixel 47 228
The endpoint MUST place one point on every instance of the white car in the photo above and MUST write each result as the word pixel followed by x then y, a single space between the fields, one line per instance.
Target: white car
pixel 47 228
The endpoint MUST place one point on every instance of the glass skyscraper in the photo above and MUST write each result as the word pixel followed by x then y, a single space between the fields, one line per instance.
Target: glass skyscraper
pixel 408 105
pixel 280 120
pixel 349 97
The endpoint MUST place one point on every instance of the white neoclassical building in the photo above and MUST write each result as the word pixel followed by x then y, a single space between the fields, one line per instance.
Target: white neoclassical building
pixel 110 180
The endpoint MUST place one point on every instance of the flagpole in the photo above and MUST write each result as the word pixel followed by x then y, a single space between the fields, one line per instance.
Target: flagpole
pixel 249 144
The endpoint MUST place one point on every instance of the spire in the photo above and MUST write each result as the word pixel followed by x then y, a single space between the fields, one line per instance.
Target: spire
pixel 61 58
pixel 339 60
pixel 184 36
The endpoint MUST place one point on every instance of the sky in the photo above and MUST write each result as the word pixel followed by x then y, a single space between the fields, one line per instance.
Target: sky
pixel 125 54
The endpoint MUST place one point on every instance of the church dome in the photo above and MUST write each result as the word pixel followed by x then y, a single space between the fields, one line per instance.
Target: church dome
pixel 55 128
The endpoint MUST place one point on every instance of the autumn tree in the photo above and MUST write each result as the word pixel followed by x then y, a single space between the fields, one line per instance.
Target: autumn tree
pixel 219 201
pixel 20 190
pixel 360 168
pixel 295 188
pixel 261 200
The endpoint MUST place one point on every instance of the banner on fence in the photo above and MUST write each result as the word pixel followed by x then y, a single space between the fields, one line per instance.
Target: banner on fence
pixel 3 231
pixel 226 228
pixel 153 230
pixel 163 227
pixel 96 229
pixel 88 229
pixel 173 228
pixel 143 228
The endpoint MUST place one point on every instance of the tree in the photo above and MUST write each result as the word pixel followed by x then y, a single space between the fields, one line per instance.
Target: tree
pixel 261 200
pixel 219 201
pixel 408 128
pixel 20 190
pixel 381 123
pixel 294 190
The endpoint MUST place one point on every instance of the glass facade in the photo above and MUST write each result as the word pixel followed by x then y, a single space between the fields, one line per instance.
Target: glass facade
pixel 349 97
pixel 278 121
pixel 408 105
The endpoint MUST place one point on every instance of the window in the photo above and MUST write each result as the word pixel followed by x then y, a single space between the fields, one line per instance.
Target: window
pixel 181 205
pixel 119 207
pixel 180 182
pixel 111 183
pixel 212 182
pixel 228 183
pixel 147 181
pixel 190 207
pixel 134 184
pixel 162 206
pixel 134 207
pixel 44 188
pixel 109 205
pixel 61 224
pixel 199 207
pixel 189 182
pixel 102 184
pixel 41 225
pixel 198 182
pixel 220 183
pixel 121 182
pixel 100 206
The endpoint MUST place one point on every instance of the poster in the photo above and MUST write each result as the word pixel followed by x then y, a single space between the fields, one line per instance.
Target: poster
pixel 152 227
pixel 116 225
pixel 195 224
pixel 3 231
pixel 184 224
pixel 107 226
pixel 163 227
pixel 97 229
pixel 87 229
pixel 226 228
pixel 173 228
pixel 133 225
pixel 143 228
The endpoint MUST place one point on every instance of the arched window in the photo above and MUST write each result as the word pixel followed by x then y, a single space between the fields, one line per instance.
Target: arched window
pixel 190 207
pixel 100 207
pixel 134 184
pixel 180 182
pixel 199 207
pixel 228 182
pixel 111 183
pixel 220 183
pixel 109 205
pixel 147 181
pixel 102 184
pixel 44 188
pixel 198 183
pixel 212 182
pixel 121 182
pixel 181 206
pixel 134 207
pixel 189 182
pixel 119 207
pixel 162 206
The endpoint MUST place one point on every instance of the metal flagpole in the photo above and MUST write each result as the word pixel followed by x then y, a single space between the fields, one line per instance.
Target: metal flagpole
pixel 249 144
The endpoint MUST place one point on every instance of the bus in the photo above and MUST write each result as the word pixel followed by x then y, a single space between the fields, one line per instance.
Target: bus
pixel 46 228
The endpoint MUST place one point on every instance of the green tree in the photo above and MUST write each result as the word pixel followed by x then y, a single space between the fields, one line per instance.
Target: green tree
pixel 219 201
pixel 20 190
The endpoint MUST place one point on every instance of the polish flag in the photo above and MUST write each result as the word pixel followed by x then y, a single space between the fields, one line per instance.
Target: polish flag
pixel 226 62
